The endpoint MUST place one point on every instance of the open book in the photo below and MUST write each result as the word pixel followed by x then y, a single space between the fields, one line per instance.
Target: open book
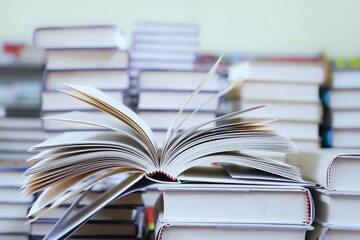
pixel 70 164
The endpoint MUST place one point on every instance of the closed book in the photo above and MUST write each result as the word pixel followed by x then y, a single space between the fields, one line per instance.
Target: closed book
pixel 305 144
pixel 30 135
pixel 100 36
pixel 337 207
pixel 165 28
pixel 334 169
pixel 336 99
pixel 276 91
pixel 13 194
pixel 281 71
pixel 57 101
pixel 282 110
pixel 14 226
pixel 11 175
pixel 163 38
pixel 92 228
pixel 341 137
pixel 228 231
pixel 101 78
pixel 237 204
pixel 306 130
pixel 14 236
pixel 173 100
pixel 342 118
pixel 13 210
pixel 108 214
pixel 176 80
pixel 20 123
pixel 162 56
pixel 346 78
pixel 333 232
pixel 168 47
pixel 62 126
pixel 83 58
pixel 15 146
pixel 162 65
pixel 159 120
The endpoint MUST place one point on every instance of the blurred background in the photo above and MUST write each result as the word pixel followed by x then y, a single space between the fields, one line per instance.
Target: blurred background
pixel 249 27
pixel 302 58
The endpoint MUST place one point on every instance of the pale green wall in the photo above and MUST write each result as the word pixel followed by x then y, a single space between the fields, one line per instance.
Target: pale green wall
pixel 252 26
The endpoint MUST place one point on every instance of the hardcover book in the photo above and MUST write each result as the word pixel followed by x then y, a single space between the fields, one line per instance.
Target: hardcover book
pixel 101 36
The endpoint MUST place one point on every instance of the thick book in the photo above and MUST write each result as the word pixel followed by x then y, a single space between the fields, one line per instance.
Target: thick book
pixel 341 137
pixel 176 80
pixel 203 203
pixel 56 101
pixel 281 71
pixel 276 91
pixel 13 210
pixel 337 207
pixel 162 65
pixel 333 232
pixel 162 56
pixel 340 99
pixel 11 175
pixel 173 100
pixel 14 226
pixel 78 161
pixel 334 169
pixel 14 236
pixel 91 228
pixel 345 78
pixel 83 58
pixel 282 110
pixel 223 231
pixel 165 28
pixel 99 78
pixel 159 120
pixel 56 126
pixel 96 36
pixel 163 38
pixel 342 118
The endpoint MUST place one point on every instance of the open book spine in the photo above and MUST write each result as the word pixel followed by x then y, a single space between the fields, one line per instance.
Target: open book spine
pixel 153 173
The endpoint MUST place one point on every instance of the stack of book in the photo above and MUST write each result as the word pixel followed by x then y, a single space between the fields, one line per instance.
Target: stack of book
pixel 338 202
pixel 163 46
pixel 290 88
pixel 213 211
pixel 341 100
pixel 17 135
pixel 13 206
pixel 87 55
pixel 121 219
pixel 163 59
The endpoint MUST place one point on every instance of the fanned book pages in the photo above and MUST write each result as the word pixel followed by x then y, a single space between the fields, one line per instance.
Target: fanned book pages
pixel 70 164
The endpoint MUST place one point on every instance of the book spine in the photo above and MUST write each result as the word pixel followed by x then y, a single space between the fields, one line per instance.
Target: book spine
pixel 308 208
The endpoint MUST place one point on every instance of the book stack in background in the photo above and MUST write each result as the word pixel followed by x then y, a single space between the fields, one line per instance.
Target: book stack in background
pixel 341 100
pixel 213 211
pixel 13 205
pixel 290 88
pixel 337 203
pixel 20 129
pixel 163 46
pixel 163 60
pixel 85 55
pixel 121 219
